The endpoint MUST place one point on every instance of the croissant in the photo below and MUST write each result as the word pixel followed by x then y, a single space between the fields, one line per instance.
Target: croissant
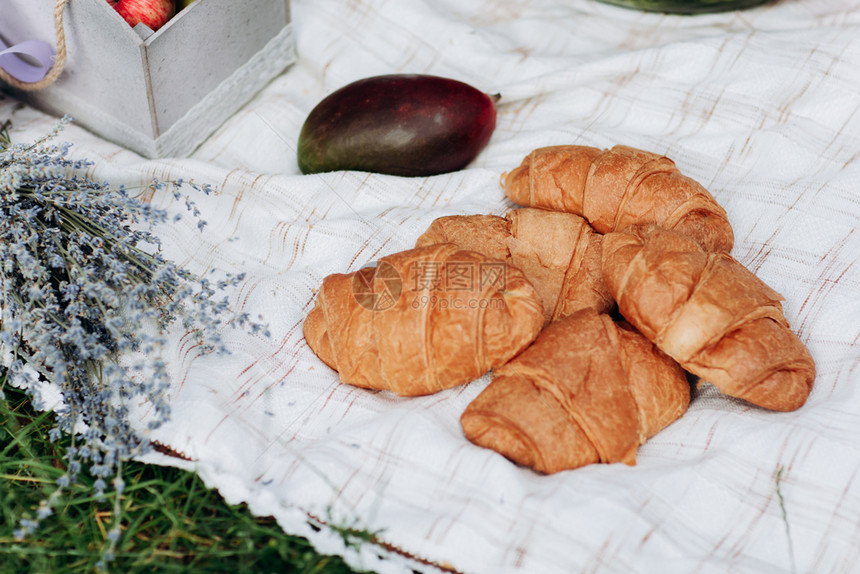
pixel 587 390
pixel 558 252
pixel 619 187
pixel 423 320
pixel 711 314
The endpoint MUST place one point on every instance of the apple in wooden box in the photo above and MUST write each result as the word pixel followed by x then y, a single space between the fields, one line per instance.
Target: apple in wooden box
pixel 158 93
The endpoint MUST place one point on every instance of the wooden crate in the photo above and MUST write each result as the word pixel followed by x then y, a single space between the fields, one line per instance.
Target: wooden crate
pixel 160 93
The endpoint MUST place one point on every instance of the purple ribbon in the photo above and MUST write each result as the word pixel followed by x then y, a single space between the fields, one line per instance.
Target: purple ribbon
pixel 20 68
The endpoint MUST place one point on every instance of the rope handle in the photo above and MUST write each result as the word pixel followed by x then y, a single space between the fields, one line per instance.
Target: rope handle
pixel 59 59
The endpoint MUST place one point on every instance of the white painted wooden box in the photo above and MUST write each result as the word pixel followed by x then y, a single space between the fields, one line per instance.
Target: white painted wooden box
pixel 160 93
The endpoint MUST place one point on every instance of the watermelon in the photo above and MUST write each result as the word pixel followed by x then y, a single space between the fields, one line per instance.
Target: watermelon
pixel 686 6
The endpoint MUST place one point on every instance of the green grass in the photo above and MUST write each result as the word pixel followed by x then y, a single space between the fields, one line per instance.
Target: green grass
pixel 170 521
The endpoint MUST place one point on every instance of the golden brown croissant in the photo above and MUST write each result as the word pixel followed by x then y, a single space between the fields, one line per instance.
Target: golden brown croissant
pixel 558 252
pixel 587 390
pixel 423 320
pixel 619 187
pixel 715 317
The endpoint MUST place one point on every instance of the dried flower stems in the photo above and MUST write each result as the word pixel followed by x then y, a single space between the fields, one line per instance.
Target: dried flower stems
pixel 83 284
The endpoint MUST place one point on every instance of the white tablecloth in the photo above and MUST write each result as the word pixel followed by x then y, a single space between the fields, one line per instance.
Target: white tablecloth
pixel 761 106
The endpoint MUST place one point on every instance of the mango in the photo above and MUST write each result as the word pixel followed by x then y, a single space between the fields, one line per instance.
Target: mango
pixel 398 124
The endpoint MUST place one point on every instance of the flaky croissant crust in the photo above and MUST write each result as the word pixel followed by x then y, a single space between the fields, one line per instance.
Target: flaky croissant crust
pixel 710 313
pixel 558 252
pixel 434 332
pixel 587 390
pixel 619 187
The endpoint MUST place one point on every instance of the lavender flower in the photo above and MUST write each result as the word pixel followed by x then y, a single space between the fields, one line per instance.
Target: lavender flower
pixel 81 283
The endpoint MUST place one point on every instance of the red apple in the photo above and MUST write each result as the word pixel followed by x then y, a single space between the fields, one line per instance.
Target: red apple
pixel 152 13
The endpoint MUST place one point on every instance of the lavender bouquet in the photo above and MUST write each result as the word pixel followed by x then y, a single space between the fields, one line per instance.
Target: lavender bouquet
pixel 82 285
